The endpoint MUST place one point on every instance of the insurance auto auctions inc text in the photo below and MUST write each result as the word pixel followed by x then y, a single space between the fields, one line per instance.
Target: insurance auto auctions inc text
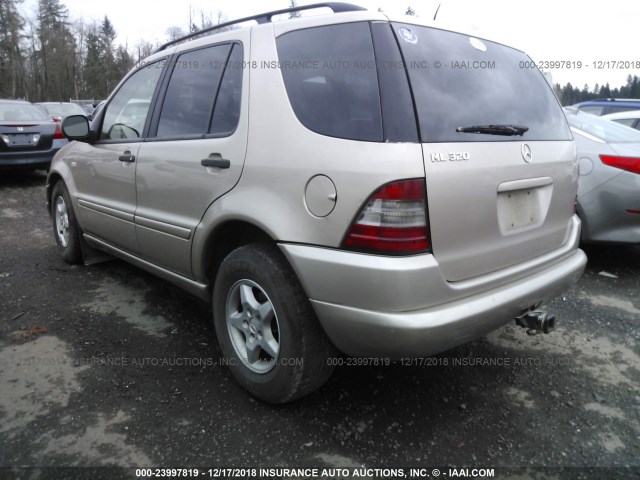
pixel 273 473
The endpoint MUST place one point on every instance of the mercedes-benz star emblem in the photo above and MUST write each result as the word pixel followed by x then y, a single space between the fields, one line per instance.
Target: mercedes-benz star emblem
pixel 526 152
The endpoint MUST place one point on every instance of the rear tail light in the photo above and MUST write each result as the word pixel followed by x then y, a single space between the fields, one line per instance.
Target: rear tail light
pixel 58 133
pixel 392 221
pixel 630 164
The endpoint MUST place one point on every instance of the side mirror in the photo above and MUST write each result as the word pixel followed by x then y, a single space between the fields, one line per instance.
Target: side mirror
pixel 76 127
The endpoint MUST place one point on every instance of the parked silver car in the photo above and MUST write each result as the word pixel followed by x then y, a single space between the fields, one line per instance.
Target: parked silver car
pixel 326 188
pixel 609 187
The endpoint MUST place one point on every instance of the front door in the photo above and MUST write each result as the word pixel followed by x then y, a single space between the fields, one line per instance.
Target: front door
pixel 105 171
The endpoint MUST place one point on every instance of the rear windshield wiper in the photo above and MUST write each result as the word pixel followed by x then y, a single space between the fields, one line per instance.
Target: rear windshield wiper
pixel 507 130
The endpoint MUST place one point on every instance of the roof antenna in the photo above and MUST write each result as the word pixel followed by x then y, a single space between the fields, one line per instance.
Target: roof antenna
pixel 437 10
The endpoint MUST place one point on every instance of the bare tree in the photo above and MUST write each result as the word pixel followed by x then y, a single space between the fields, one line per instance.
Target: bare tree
pixel 143 50
pixel 294 4
pixel 173 33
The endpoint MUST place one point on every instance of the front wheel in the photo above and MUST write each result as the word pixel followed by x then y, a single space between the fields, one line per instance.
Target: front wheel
pixel 266 327
pixel 65 226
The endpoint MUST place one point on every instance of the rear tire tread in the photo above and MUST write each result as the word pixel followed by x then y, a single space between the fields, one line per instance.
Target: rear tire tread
pixel 314 347
pixel 72 253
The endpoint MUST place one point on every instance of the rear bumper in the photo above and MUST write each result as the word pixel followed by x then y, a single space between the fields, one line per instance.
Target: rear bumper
pixel 28 159
pixel 431 330
pixel 455 313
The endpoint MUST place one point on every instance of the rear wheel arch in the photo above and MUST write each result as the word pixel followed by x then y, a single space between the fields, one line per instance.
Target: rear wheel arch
pixel 224 239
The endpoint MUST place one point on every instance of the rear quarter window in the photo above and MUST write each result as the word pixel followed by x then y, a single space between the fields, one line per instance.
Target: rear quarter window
pixel 330 76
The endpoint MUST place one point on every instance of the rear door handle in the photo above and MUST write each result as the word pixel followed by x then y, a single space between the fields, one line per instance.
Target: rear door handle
pixel 127 157
pixel 215 162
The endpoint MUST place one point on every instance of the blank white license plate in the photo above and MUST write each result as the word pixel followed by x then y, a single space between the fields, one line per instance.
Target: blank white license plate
pixel 518 208
pixel 21 139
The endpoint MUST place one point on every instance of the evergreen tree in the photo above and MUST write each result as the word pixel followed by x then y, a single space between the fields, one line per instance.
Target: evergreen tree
pixel 107 49
pixel 634 83
pixel 123 62
pixel 12 81
pixel 55 59
pixel 94 85
pixel 566 95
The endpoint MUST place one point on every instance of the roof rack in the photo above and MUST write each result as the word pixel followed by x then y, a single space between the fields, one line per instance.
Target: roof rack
pixel 261 18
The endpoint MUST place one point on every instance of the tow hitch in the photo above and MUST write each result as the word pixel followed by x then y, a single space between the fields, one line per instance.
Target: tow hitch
pixel 536 321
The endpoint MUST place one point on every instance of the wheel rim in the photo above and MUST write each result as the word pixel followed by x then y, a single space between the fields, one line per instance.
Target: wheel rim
pixel 253 327
pixel 62 221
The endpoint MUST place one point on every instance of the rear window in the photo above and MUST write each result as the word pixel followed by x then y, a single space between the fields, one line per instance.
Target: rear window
pixel 15 112
pixel 64 109
pixel 330 76
pixel 460 81
pixel 606 130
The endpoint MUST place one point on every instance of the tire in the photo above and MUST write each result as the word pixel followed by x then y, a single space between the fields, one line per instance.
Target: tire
pixel 266 328
pixel 65 226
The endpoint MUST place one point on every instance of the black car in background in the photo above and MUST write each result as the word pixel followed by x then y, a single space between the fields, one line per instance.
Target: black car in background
pixel 29 138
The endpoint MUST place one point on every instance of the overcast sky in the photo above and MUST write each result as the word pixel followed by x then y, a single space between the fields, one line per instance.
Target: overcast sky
pixel 569 30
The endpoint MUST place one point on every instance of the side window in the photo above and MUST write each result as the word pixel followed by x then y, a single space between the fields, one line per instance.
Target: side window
pixel 126 114
pixel 192 90
pixel 592 109
pixel 616 109
pixel 227 109
pixel 331 80
pixel 626 121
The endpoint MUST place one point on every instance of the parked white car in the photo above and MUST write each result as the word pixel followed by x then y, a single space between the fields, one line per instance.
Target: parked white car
pixel 630 118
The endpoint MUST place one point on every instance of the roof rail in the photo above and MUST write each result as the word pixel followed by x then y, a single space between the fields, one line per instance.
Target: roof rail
pixel 609 99
pixel 337 7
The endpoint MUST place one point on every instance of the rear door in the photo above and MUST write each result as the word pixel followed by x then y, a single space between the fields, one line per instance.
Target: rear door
pixel 195 152
pixel 496 197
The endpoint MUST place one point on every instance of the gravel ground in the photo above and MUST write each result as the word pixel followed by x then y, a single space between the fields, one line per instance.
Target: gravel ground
pixel 107 366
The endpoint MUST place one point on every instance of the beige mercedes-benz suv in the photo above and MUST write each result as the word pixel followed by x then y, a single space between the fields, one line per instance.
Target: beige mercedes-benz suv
pixel 333 183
